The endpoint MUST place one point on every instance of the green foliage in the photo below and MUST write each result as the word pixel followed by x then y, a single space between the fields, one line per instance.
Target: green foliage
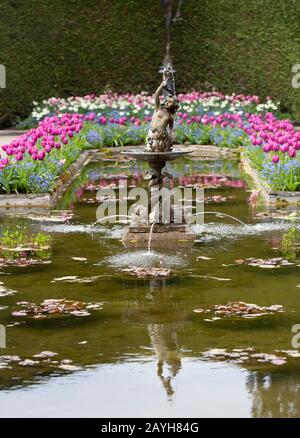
pixel 75 47
pixel 290 243
pixel 15 241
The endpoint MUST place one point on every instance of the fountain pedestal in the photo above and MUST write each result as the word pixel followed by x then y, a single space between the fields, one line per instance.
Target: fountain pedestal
pixel 162 236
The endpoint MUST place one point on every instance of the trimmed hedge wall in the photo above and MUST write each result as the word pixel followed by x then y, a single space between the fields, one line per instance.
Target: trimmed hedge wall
pixel 74 47
pixel 59 47
pixel 240 46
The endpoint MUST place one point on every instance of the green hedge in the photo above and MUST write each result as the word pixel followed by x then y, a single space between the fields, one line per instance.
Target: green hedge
pixel 240 46
pixel 59 47
pixel 74 47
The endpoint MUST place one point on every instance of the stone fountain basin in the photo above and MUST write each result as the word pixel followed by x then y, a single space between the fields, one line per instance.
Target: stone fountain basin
pixel 156 157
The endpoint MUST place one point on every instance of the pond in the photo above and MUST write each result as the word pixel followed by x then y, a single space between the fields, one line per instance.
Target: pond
pixel 146 352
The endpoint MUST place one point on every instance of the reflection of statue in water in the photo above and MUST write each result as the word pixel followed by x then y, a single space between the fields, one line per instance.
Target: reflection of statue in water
pixel 161 133
pixel 164 340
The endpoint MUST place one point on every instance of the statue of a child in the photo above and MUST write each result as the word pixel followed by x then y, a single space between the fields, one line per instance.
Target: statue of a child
pixel 161 133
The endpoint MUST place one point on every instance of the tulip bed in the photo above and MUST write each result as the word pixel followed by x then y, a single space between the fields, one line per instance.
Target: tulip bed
pixel 61 128
pixel 141 105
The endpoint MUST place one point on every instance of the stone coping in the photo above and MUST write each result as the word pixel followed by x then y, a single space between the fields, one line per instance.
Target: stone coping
pixel 172 238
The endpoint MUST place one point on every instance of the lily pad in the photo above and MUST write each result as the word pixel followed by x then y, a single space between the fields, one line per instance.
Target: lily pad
pixel 244 356
pixel 239 309
pixel 142 272
pixel 23 262
pixel 45 354
pixel 56 308
pixel 273 263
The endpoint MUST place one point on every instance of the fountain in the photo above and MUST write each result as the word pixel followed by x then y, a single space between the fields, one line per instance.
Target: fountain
pixel 151 226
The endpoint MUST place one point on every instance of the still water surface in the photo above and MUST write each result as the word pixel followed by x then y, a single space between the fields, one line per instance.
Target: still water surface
pixel 142 355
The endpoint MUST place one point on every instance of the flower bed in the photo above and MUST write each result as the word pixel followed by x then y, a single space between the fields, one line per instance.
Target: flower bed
pixel 65 127
pixel 34 161
pixel 140 106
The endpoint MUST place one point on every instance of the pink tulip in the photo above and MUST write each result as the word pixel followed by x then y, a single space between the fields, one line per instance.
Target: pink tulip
pixel 41 155
pixel 267 148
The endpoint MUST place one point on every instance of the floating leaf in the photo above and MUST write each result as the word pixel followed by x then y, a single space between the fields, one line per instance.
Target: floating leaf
pixel 4 292
pixel 66 278
pixel 45 354
pixel 66 361
pixel 80 259
pixel 75 279
pixel 209 277
pixel 28 363
pixel 80 313
pixel 68 367
pixel 9 359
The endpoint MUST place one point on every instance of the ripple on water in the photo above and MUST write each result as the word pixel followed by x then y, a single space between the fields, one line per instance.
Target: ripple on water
pixel 143 259
pixel 111 232
pixel 71 228
pixel 214 231
pixel 115 232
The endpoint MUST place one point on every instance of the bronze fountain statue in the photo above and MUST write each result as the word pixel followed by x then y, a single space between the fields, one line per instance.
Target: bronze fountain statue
pixel 150 224
pixel 161 133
